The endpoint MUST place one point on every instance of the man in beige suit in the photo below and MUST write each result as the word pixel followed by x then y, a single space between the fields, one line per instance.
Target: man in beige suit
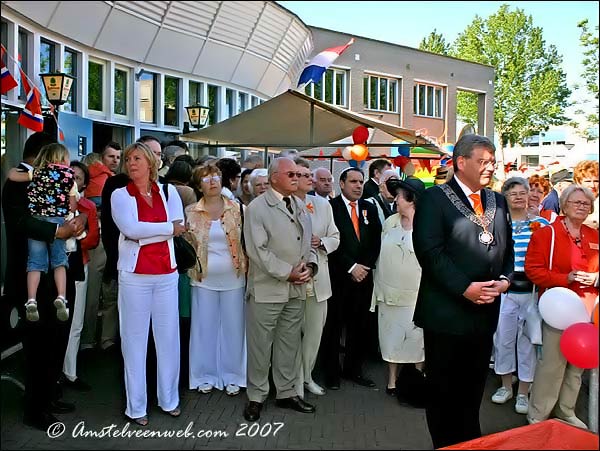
pixel 325 239
pixel 278 234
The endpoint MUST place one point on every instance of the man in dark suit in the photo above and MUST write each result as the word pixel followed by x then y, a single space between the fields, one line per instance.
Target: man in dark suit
pixel 376 168
pixel 351 272
pixel 44 341
pixel 463 240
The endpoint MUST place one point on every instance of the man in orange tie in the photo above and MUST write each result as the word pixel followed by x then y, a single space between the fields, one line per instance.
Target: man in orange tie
pixel 463 240
pixel 351 273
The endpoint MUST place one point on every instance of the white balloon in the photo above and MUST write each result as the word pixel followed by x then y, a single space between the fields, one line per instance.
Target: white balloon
pixel 561 308
pixel 347 153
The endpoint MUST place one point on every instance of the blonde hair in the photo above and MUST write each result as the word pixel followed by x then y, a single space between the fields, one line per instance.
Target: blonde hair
pixel 202 171
pixel 52 154
pixel 584 169
pixel 91 158
pixel 573 188
pixel 147 153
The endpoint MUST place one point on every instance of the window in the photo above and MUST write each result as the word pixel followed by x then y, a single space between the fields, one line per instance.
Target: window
pixel 428 100
pixel 254 101
pixel 229 102
pixel 380 93
pixel 213 101
pixel 531 160
pixel 24 58
pixel 70 63
pixel 331 88
pixel 242 104
pixel 121 92
pixel 171 101
pixel 147 97
pixel 95 86
pixel 195 96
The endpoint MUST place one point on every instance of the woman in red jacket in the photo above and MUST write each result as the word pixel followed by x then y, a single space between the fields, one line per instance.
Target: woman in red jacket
pixel 556 382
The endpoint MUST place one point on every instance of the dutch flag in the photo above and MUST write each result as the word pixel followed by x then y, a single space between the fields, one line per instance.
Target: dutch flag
pixel 319 64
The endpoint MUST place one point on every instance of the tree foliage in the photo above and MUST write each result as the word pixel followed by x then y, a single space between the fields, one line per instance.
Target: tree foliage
pixel 530 90
pixel 589 42
pixel 435 43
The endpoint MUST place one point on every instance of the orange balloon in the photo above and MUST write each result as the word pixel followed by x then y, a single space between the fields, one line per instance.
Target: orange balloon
pixel 595 316
pixel 359 152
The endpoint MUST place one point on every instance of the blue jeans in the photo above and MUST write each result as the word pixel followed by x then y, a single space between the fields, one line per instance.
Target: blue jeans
pixel 37 259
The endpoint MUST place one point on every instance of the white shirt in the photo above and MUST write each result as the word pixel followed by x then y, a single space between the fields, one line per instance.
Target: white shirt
pixel 467 191
pixel 349 209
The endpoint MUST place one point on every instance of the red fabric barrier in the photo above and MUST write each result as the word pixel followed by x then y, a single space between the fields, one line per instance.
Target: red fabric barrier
pixel 549 434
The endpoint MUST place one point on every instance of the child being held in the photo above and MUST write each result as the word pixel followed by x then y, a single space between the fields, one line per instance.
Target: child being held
pixel 52 196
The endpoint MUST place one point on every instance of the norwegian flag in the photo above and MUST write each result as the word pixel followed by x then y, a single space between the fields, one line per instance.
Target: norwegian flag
pixel 7 80
pixel 31 116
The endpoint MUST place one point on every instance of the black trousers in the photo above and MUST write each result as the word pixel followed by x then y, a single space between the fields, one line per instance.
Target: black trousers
pixel 456 368
pixel 348 307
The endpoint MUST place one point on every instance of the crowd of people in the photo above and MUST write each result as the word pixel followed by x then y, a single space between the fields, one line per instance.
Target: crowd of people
pixel 294 285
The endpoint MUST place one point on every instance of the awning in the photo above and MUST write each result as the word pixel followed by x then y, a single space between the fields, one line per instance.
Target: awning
pixel 295 120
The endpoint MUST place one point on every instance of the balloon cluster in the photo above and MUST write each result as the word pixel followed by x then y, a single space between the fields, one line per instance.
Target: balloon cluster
pixel 563 309
pixel 357 154
pixel 402 161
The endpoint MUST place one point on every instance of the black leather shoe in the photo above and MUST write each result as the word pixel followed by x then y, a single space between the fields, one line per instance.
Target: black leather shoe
pixel 41 421
pixel 333 384
pixel 61 407
pixel 252 411
pixel 361 380
pixel 295 403
pixel 77 385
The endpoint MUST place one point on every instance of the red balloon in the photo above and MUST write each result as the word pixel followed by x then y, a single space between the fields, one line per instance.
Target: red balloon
pixel 579 345
pixel 360 135
pixel 595 316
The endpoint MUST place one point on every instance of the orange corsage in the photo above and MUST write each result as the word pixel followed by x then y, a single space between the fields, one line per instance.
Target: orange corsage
pixel 310 208
pixel 534 225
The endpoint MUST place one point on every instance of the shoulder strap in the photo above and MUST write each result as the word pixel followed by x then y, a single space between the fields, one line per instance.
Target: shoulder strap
pixel 551 247
pixel 166 191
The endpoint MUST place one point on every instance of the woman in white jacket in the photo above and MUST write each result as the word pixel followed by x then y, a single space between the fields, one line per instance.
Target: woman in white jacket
pixel 147 280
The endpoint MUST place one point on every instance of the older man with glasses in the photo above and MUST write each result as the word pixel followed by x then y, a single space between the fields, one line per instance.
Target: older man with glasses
pixel 278 234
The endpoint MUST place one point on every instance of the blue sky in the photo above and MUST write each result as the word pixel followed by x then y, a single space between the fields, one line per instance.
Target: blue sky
pixel 408 22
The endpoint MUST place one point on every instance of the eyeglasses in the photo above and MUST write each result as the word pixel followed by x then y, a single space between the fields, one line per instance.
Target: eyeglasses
pixel 292 174
pixel 485 163
pixel 306 176
pixel 580 203
pixel 519 194
pixel 214 178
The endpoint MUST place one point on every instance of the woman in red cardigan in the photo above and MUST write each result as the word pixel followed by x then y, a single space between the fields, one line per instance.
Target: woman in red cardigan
pixel 556 382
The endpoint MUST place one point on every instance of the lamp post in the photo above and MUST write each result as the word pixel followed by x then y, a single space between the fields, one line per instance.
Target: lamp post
pixel 58 86
pixel 198 115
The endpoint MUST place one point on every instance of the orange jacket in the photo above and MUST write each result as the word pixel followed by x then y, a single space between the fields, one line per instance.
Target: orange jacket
pixel 92 239
pixel 537 259
pixel 99 172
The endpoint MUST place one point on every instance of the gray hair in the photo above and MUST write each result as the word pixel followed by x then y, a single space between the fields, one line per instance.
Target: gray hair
pixel 388 173
pixel 255 174
pixel 171 152
pixel 564 197
pixel 513 181
pixel 465 145
pixel 274 166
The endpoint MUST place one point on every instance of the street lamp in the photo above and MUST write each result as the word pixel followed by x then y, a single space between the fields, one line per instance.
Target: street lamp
pixel 198 115
pixel 58 86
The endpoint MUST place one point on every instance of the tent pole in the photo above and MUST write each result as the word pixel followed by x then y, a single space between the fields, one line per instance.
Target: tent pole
pixel 266 157
pixel 312 123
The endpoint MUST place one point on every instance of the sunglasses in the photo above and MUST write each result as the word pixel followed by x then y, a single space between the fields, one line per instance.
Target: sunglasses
pixel 292 174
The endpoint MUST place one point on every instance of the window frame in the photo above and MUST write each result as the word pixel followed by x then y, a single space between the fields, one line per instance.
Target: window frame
pixel 74 73
pixel 103 64
pixel 422 104
pixel 154 102
pixel 127 72
pixel 324 92
pixel 178 81
pixel 373 81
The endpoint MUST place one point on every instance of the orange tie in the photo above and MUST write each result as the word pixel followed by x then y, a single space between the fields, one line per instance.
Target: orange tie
pixel 476 198
pixel 354 217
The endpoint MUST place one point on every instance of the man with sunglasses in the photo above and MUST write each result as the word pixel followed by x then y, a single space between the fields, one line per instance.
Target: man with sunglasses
pixel 278 232
pixel 463 240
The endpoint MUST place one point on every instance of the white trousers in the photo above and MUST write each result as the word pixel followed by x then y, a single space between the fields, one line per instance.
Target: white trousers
pixel 141 298
pixel 315 314
pixel 511 346
pixel 78 313
pixel 217 338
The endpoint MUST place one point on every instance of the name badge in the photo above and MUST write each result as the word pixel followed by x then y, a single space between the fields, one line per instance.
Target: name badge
pixel 594 246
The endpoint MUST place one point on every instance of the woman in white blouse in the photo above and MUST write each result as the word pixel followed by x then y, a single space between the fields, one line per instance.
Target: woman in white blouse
pixel 396 284
pixel 147 280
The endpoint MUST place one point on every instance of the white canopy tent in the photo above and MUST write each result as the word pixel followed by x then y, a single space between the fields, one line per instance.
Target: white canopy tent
pixel 295 120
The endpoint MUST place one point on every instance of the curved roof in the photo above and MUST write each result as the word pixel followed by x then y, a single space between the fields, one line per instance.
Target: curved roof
pixel 255 44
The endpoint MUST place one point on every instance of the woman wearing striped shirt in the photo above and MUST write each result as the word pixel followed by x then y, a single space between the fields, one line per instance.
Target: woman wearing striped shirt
pixel 514 303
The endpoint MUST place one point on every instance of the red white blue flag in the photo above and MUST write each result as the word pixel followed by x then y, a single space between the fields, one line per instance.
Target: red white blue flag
pixel 31 116
pixel 319 64
pixel 8 81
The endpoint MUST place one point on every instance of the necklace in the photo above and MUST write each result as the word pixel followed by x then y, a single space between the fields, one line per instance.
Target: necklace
pixel 576 240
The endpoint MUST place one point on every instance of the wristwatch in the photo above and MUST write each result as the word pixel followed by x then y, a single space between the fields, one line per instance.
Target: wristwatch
pixel 503 277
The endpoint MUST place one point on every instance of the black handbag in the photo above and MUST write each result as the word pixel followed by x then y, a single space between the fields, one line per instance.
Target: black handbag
pixel 185 254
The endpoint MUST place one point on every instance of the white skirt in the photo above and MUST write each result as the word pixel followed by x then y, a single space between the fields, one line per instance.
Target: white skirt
pixel 399 339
